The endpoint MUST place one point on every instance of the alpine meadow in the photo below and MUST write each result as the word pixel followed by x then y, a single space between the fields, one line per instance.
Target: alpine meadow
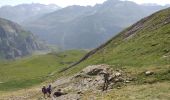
pixel 115 50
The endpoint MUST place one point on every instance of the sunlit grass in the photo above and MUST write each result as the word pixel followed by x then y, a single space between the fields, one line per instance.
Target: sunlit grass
pixel 34 70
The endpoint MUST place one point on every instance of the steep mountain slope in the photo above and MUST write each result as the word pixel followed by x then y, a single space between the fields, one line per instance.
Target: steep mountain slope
pixel 15 41
pixel 146 43
pixel 88 27
pixel 26 12
pixel 138 50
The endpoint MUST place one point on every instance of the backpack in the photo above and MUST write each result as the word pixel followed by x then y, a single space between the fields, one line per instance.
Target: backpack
pixel 44 90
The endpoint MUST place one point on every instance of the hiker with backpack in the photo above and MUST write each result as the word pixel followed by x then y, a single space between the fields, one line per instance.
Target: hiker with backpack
pixel 106 81
pixel 49 90
pixel 44 91
pixel 107 78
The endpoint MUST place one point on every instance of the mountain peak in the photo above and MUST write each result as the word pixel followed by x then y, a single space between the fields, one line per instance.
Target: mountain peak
pixel 17 13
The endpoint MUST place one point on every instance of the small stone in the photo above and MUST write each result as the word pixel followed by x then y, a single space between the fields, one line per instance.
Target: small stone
pixel 118 74
pixel 79 92
pixel 127 81
pixel 165 22
pixel 116 80
pixel 118 87
pixel 89 80
pixel 147 73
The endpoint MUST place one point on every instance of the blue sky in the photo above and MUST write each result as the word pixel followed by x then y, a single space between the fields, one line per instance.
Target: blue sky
pixel 64 3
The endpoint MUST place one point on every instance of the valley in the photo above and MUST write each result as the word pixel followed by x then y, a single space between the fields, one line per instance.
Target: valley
pixel 30 71
pixel 102 52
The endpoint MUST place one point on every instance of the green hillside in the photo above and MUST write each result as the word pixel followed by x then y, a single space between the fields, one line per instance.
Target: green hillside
pixel 34 70
pixel 143 46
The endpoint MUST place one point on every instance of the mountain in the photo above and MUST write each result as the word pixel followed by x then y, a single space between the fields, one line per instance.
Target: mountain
pixel 136 64
pixel 141 52
pixel 144 44
pixel 15 41
pixel 88 27
pixel 25 12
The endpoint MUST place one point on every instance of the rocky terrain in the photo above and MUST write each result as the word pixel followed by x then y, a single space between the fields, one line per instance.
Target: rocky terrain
pixel 85 85
pixel 89 79
pixel 15 41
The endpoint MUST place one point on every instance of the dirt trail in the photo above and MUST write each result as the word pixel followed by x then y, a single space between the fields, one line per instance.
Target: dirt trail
pixel 25 94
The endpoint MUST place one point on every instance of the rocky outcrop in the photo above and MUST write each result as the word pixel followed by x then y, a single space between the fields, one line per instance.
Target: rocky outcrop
pixel 91 79
pixel 15 41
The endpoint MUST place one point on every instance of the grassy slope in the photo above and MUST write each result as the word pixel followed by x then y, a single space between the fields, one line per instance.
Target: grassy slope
pixel 34 70
pixel 149 47
pixel 157 91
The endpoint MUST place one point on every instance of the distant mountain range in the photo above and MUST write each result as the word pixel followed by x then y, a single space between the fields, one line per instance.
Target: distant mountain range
pixel 87 27
pixel 26 12
pixel 15 41
pixel 78 27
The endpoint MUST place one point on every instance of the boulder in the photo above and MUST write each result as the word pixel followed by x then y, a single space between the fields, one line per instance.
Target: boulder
pixel 95 69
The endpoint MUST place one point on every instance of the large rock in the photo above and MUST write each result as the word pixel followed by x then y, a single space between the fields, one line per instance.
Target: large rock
pixel 96 69
pixel 90 78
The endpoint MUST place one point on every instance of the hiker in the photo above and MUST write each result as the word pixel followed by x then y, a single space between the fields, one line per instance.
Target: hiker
pixel 49 91
pixel 106 76
pixel 44 91
pixel 59 93
pixel 106 81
